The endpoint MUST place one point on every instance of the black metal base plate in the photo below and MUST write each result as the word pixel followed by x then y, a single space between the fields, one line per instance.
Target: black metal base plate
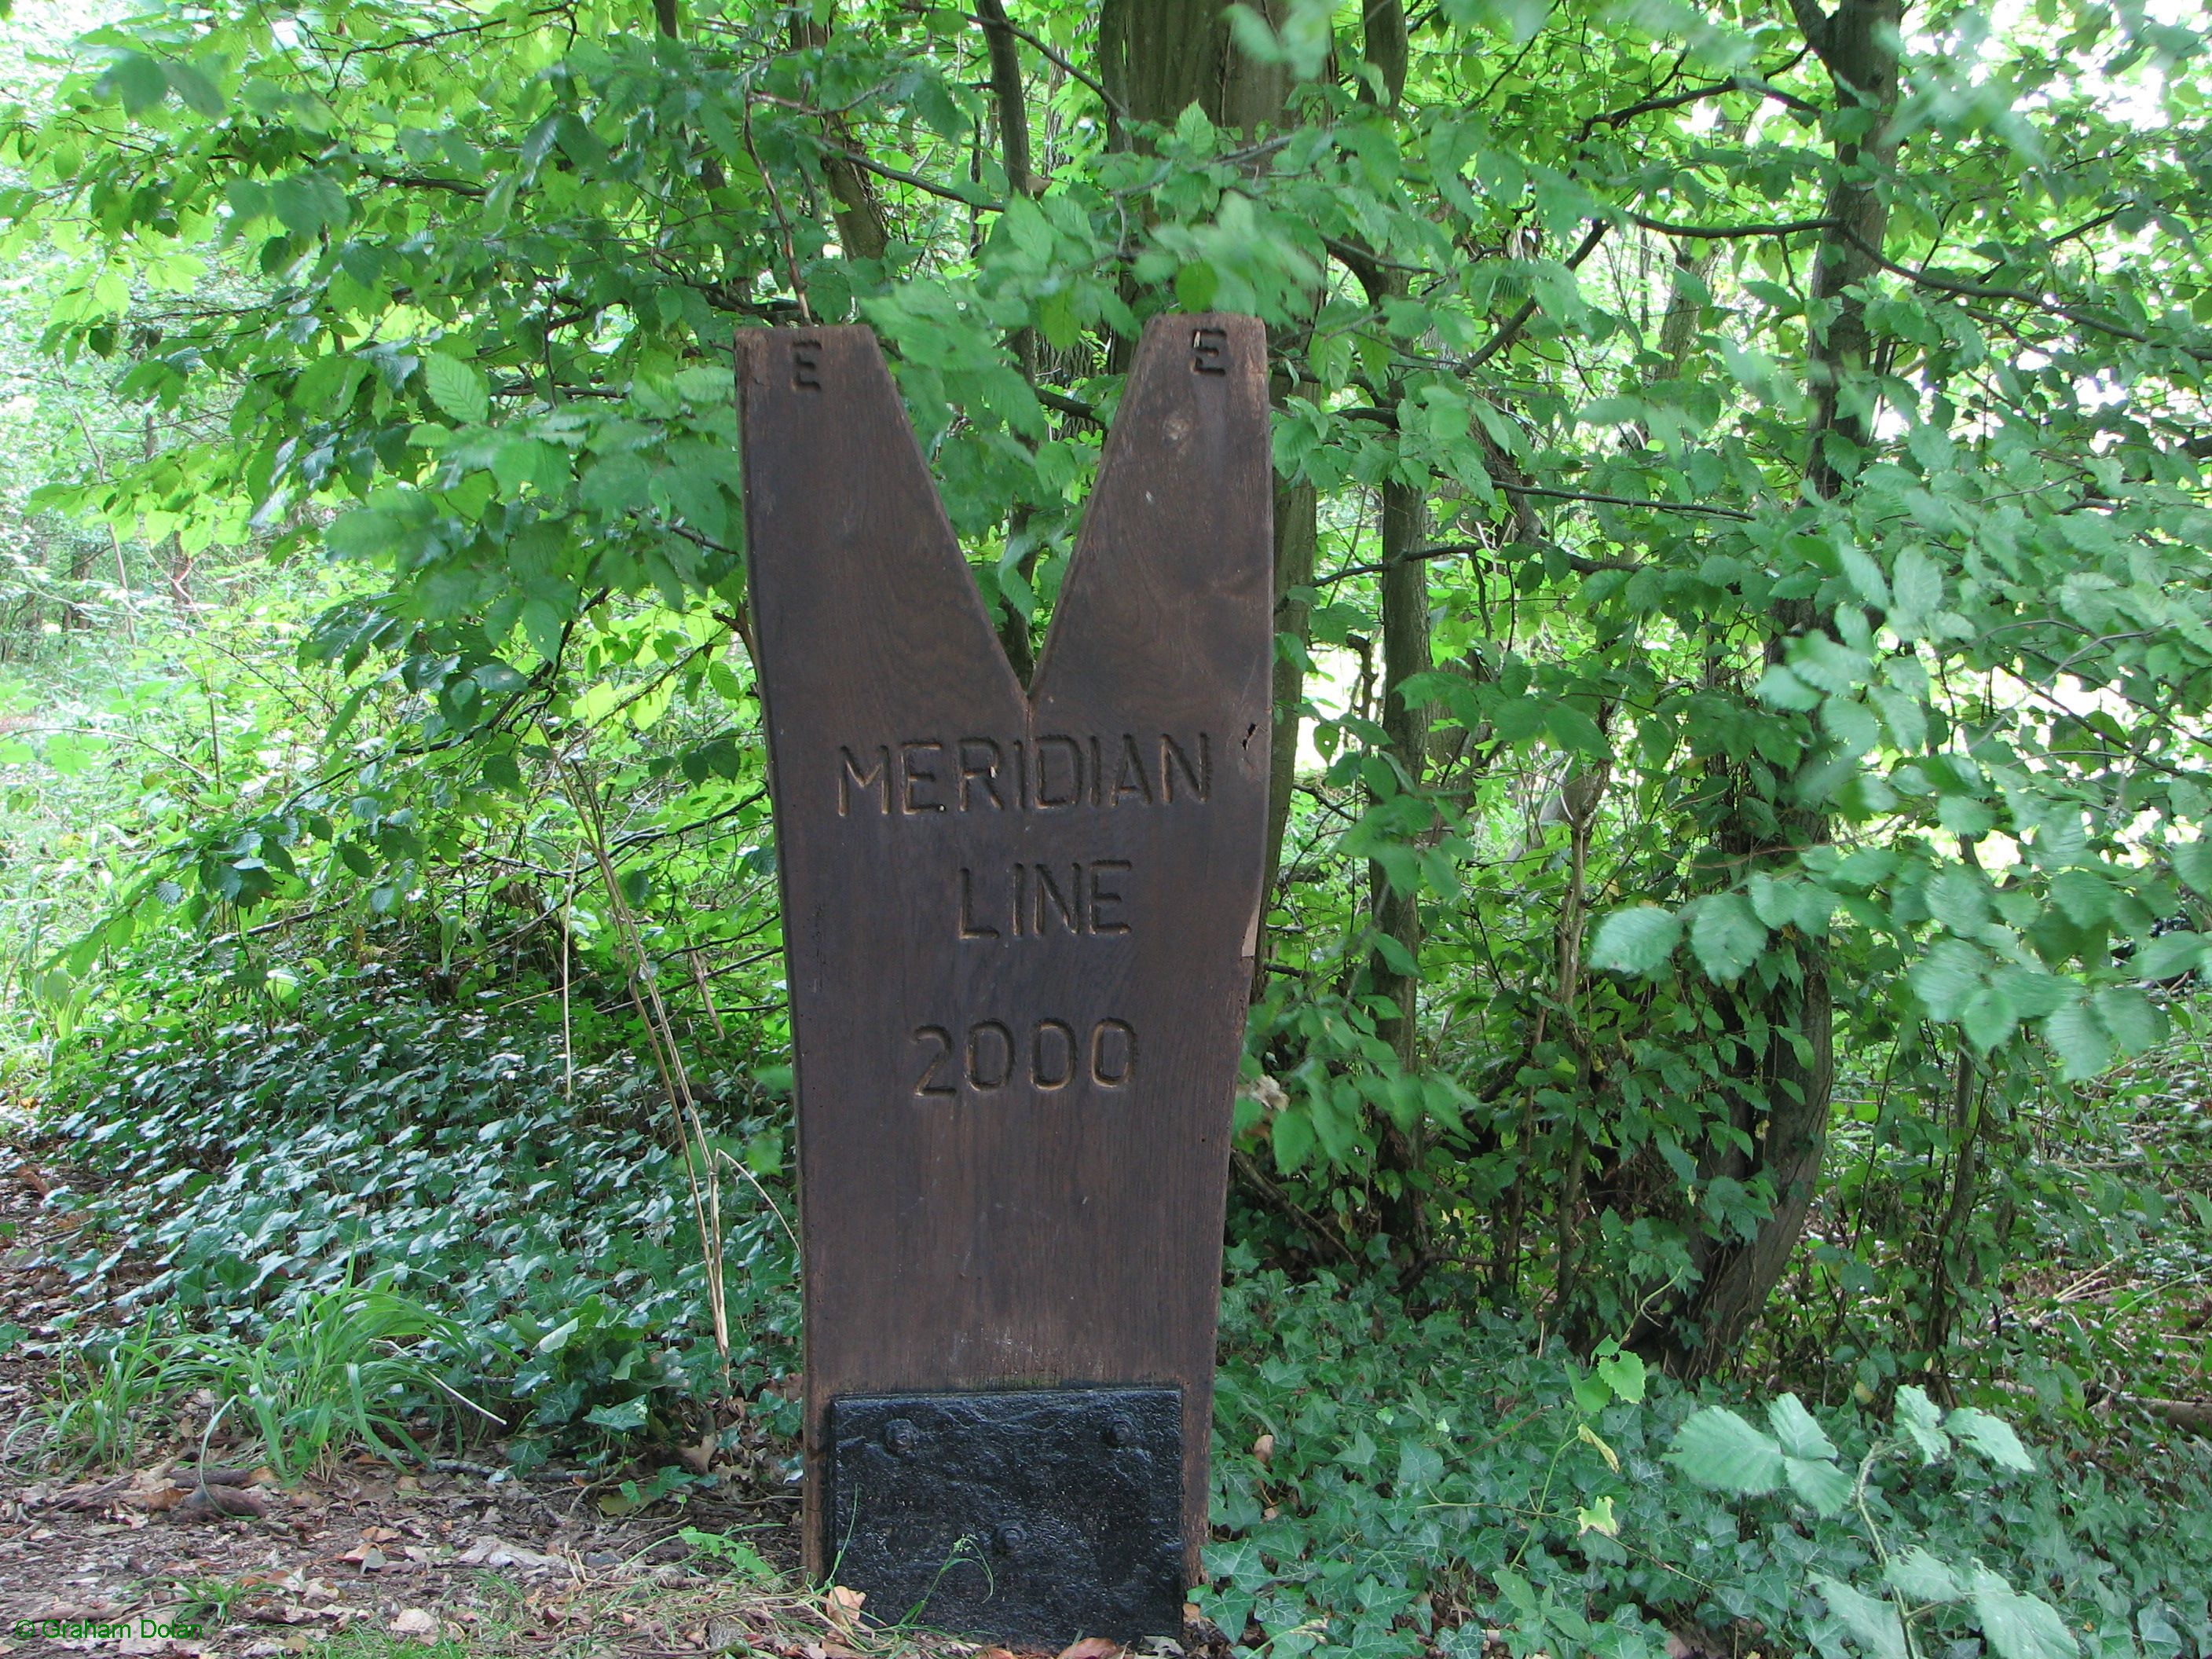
pixel 1029 1514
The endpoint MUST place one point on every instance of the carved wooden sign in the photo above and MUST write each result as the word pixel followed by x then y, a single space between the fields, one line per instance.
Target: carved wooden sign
pixel 1018 925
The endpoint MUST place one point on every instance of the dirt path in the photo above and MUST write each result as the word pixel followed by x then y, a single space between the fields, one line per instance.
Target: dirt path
pixel 236 1565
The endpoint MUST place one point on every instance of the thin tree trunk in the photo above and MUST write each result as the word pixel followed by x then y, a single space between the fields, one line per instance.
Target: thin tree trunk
pixel 1012 98
pixel 861 231
pixel 1406 653
pixel 1295 507
pixel 1793 1086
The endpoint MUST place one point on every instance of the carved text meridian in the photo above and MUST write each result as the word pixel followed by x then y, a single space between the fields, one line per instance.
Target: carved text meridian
pixel 917 776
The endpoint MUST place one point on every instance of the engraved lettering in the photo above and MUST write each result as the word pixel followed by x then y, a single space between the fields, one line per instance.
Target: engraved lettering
pixel 1052 1054
pixel 1048 792
pixel 1049 893
pixel 990 1055
pixel 1100 897
pixel 969 927
pixel 974 766
pixel 806 365
pixel 1021 893
pixel 1133 779
pixel 1112 1053
pixel 877 776
pixel 1059 771
pixel 927 1085
pixel 1173 759
pixel 1057 1057
pixel 916 775
pixel 1206 347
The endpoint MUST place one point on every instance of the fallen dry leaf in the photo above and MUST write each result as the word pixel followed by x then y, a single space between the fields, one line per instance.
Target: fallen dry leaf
pixel 216 1503
pixel 415 1623
pixel 1264 1449
pixel 701 1458
pixel 1091 1647
pixel 843 1604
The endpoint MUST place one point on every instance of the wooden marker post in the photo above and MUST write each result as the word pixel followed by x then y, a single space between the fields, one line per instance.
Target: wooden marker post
pixel 1018 927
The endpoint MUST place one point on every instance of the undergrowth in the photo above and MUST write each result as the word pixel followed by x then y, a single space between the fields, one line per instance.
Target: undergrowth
pixel 1384 1478
pixel 534 1214
pixel 1389 1479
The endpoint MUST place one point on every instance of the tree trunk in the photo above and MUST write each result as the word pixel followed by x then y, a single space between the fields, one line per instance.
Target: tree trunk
pixel 1795 1090
pixel 861 231
pixel 1406 653
pixel 1295 507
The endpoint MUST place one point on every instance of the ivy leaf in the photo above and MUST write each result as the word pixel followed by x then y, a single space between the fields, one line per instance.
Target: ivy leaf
pixel 2020 1626
pixel 456 389
pixel 1717 1448
pixel 629 1414
pixel 1992 1436
pixel 1637 940
pixel 1872 1625
pixel 1726 935
pixel 1624 1374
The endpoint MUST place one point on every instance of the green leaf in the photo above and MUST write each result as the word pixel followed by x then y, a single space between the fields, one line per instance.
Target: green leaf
pixel 1917 1416
pixel 456 388
pixel 1293 1139
pixel 1823 1485
pixel 1959 898
pixel 1792 1425
pixel 1717 1448
pixel 1919 1575
pixel 620 1419
pixel 2170 954
pixel 1916 585
pixel 1196 285
pixel 2192 862
pixel 2019 1626
pixel 309 203
pixel 2080 1043
pixel 1947 977
pixel 137 81
pixel 2131 1017
pixel 194 90
pixel 1872 1625
pixel 1637 940
pixel 1992 1436
pixel 1624 1374
pixel 1988 1018
pixel 1726 935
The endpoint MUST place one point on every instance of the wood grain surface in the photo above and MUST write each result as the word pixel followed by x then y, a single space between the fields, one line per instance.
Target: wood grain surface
pixel 1018 925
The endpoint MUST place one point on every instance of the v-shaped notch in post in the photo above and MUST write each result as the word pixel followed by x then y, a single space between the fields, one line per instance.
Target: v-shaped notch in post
pixel 1162 565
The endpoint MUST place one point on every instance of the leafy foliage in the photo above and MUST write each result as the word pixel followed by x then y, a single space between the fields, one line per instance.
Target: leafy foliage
pixel 270 1172
pixel 1389 1483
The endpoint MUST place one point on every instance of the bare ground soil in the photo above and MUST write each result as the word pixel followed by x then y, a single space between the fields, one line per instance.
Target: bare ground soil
pixel 467 1553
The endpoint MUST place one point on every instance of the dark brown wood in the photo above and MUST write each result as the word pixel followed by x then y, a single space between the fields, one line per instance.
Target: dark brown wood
pixel 1018 926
